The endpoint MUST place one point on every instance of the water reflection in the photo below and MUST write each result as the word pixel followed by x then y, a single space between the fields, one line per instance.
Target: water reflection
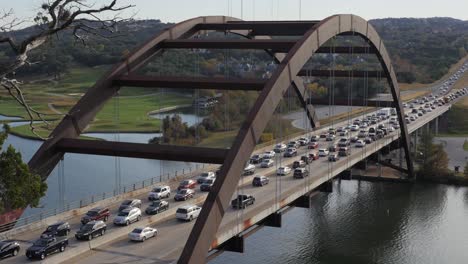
pixel 187 115
pixel 367 223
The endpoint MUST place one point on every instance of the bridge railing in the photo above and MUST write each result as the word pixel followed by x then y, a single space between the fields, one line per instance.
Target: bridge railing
pixel 175 175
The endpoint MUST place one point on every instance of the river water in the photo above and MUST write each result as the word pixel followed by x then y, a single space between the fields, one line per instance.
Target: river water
pixel 363 222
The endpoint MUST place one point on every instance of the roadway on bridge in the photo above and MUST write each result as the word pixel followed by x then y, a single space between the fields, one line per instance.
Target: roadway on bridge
pixel 168 245
pixel 173 234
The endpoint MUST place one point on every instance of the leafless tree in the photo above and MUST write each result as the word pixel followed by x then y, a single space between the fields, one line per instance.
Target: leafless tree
pixel 79 17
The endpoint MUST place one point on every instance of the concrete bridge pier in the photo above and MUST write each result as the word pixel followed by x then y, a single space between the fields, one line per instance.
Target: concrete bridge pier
pixel 326 186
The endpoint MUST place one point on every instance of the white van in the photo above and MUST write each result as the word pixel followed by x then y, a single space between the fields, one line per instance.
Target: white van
pixel 188 212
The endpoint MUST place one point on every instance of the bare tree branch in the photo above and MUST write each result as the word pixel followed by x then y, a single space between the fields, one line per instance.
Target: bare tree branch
pixel 55 16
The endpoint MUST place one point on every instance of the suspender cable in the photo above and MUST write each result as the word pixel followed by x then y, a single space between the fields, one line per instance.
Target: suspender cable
pixel 118 176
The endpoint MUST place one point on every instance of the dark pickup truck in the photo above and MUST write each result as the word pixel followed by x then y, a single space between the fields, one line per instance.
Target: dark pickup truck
pixel 242 201
pixel 46 246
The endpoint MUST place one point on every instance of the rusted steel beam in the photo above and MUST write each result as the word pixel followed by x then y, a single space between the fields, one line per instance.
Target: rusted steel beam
pixel 47 157
pixel 342 73
pixel 265 44
pixel 263 28
pixel 190 82
pixel 205 229
pixel 347 50
pixel 142 151
pixel 353 102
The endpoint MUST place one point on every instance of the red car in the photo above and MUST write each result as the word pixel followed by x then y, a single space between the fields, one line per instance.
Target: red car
pixel 187 184
pixel 314 156
pixel 313 145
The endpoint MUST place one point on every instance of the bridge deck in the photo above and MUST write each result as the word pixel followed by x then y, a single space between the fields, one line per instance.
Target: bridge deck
pixel 168 245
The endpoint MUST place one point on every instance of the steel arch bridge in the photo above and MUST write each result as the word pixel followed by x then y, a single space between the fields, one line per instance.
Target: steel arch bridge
pixel 291 56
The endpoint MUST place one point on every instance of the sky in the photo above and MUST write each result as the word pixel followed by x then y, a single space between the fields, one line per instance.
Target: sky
pixel 179 10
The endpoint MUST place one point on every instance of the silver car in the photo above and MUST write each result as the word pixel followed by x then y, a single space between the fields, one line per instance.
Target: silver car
pixel 128 216
pixel 142 233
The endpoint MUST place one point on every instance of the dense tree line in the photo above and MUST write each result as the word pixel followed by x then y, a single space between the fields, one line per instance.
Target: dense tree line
pixel 422 50
pixel 18 186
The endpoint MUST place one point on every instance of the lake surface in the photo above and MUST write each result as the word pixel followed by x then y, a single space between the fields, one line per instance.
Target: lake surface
pixel 87 175
pixel 188 115
pixel 362 222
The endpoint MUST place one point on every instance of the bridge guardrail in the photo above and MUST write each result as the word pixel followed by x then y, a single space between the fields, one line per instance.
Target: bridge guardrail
pixel 101 196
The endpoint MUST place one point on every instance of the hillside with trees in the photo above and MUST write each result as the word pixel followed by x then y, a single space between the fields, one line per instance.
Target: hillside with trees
pixel 422 50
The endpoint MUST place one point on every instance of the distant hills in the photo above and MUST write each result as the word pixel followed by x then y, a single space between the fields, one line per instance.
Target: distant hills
pixel 422 50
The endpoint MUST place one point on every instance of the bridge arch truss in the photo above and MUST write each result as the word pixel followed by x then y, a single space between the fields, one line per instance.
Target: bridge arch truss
pixel 291 56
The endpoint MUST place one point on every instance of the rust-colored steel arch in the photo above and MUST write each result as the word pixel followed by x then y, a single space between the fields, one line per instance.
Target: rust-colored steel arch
pixel 206 226
pixel 314 35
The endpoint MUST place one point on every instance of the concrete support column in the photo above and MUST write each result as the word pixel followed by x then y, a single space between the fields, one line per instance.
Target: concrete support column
pixel 436 128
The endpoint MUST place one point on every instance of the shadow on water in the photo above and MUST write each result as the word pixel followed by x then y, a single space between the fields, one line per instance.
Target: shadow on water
pixel 367 223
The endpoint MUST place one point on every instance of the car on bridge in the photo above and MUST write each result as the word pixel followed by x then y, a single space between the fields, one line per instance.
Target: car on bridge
pixel 128 216
pixel 360 143
pixel 290 152
pixel 205 175
pixel 45 246
pixel 314 138
pixel 242 201
pixel 156 207
pixel 323 152
pixel 256 159
pixel 260 180
pixel 300 173
pixel 280 148
pixel 57 229
pixel 298 164
pixel 362 134
pixel 333 157
pixel 206 186
pixel 333 147
pixel 354 127
pixel 188 212
pixel 91 230
pixel 97 213
pixel 344 151
pixel 249 169
pixel 353 139
pixel 160 192
pixel 187 184
pixel 303 141
pixel 142 233
pixel 344 142
pixel 330 137
pixel 269 154
pixel 343 133
pixel 131 203
pixel 313 145
pixel 283 171
pixel 293 144
pixel 307 159
pixel 184 194
pixel 9 248
pixel 314 156
pixel 267 163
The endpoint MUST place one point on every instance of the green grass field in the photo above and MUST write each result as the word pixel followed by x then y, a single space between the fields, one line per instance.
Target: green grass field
pixel 49 97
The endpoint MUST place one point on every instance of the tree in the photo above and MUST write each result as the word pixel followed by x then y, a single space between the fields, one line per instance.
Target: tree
pixel 77 16
pixel 18 186
pixel 433 158
pixel 465 170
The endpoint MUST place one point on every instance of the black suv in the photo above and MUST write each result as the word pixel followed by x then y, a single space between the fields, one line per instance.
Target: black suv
pixel 57 229
pixel 9 248
pixel 98 213
pixel 90 230
pixel 156 207
pixel 46 246
pixel 307 159
pixel 300 173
